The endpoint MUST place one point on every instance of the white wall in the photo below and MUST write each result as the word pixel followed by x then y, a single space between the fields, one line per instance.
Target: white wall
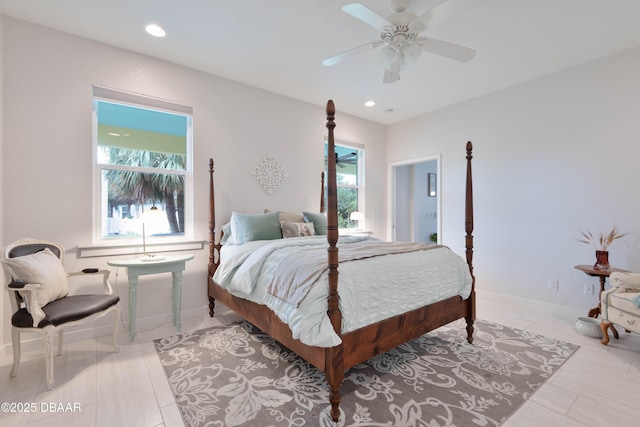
pixel 552 156
pixel 3 307
pixel 47 148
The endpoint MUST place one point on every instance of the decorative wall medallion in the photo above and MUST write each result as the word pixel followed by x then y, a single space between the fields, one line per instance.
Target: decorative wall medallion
pixel 269 173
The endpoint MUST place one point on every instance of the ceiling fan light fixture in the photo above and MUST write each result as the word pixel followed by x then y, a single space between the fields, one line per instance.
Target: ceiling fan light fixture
pixel 411 53
pixel 416 27
pixel 388 55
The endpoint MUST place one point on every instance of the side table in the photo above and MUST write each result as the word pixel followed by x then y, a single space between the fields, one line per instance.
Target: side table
pixel 602 275
pixel 137 267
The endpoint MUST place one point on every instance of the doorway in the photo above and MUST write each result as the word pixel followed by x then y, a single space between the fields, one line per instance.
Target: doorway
pixel 415 200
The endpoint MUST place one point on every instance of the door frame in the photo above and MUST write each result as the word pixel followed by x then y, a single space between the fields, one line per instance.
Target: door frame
pixel 391 198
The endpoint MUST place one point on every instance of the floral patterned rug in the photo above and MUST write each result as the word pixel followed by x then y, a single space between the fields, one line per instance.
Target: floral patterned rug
pixel 236 375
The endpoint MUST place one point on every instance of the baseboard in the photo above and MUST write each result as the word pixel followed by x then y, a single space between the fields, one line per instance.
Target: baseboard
pixel 33 341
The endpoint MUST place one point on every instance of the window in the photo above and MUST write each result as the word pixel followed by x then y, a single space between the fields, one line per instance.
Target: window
pixel 143 168
pixel 350 183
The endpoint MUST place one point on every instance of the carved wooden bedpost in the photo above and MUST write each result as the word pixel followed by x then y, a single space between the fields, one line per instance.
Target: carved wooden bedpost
pixel 214 248
pixel 468 223
pixel 322 208
pixel 334 361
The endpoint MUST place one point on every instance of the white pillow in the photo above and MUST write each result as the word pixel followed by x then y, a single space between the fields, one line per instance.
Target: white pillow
pixel 625 280
pixel 45 269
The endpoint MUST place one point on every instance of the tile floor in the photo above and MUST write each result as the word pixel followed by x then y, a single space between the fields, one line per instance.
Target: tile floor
pixel 598 386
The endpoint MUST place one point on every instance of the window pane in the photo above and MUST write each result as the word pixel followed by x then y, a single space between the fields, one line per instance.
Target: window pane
pixel 347 203
pixel 129 194
pixel 141 163
pixel 348 179
pixel 136 128
pixel 346 164
pixel 138 158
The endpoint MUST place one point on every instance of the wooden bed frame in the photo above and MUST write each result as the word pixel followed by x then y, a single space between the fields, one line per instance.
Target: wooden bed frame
pixel 367 342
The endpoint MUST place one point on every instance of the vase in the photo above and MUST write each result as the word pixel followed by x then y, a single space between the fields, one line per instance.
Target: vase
pixel 602 260
pixel 589 326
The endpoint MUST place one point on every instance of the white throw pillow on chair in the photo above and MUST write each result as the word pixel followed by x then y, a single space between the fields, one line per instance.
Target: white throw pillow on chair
pixel 625 280
pixel 45 269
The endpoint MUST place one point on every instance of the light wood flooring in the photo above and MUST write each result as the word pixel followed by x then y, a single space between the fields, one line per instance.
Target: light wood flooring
pixel 598 386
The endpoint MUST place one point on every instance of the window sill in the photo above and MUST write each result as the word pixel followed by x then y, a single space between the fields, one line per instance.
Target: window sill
pixel 128 249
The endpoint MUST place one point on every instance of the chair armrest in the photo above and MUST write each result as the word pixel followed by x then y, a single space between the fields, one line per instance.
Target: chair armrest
pixel 16 285
pixel 108 290
pixel 29 293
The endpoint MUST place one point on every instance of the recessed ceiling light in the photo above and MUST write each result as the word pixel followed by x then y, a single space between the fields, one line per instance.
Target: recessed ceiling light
pixel 369 103
pixel 155 30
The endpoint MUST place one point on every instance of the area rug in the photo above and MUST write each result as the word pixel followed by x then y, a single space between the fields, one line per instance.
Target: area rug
pixel 236 375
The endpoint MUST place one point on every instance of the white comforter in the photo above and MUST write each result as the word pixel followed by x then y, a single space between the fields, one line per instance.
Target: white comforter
pixel 371 289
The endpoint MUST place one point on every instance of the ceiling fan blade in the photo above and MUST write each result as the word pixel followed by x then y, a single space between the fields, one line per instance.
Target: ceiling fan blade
pixel 449 50
pixel 392 74
pixel 366 15
pixel 428 5
pixel 350 53
pixel 426 15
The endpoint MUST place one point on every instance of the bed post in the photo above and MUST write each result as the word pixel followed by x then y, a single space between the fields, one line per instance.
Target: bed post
pixel 334 361
pixel 468 222
pixel 322 210
pixel 214 248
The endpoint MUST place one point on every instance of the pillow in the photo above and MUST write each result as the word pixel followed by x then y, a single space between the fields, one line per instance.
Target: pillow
pixel 625 280
pixel 227 237
pixel 296 229
pixel 319 221
pixel 289 216
pixel 45 269
pixel 250 227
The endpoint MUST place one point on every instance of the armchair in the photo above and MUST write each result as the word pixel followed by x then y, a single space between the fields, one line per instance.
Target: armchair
pixel 620 305
pixel 38 291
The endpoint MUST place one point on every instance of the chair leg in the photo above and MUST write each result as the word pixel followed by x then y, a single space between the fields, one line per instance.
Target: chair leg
pixel 116 319
pixel 604 326
pixel 48 335
pixel 15 342
pixel 60 341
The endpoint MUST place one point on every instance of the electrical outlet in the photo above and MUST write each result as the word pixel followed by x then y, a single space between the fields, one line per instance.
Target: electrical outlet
pixel 552 284
pixel 588 288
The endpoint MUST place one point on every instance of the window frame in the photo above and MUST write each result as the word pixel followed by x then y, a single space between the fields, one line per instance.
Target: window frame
pixel 101 244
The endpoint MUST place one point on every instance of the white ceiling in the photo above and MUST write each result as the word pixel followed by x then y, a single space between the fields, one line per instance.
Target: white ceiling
pixel 278 45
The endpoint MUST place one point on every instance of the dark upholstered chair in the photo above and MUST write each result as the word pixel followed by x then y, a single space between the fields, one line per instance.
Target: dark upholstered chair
pixel 38 290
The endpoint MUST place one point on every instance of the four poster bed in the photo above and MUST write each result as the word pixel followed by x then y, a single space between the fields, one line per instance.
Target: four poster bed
pixel 350 345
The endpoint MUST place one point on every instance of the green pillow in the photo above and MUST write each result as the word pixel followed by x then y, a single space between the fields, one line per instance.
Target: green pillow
pixel 249 227
pixel 319 221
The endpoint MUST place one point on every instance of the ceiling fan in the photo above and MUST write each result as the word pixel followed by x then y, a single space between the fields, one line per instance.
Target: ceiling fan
pixel 400 38
pixel 347 159
pixel 344 160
